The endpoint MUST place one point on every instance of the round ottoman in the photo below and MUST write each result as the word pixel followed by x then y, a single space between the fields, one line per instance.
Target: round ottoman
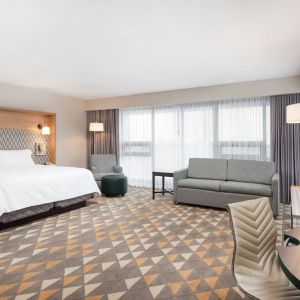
pixel 114 185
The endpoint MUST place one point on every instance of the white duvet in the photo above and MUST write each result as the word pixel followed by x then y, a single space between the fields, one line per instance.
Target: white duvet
pixel 30 186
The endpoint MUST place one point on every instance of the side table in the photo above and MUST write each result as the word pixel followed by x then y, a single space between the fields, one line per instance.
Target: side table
pixel 163 175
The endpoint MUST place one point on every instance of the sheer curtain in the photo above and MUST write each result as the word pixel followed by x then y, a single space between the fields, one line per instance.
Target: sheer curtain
pixel 198 133
pixel 135 139
pixel 244 129
pixel 167 138
pixel 163 138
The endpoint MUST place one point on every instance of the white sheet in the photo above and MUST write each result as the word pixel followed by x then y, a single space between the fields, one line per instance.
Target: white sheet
pixel 30 186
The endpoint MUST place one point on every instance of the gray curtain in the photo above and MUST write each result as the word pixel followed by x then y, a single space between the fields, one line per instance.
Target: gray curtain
pixel 285 144
pixel 106 142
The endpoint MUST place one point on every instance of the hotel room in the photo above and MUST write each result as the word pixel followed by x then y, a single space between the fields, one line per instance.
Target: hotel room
pixel 149 149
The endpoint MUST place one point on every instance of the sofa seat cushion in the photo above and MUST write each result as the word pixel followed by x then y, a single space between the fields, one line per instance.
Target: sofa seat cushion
pixel 203 184
pixel 246 188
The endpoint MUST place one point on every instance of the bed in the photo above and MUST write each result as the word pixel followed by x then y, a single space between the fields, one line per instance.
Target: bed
pixel 29 191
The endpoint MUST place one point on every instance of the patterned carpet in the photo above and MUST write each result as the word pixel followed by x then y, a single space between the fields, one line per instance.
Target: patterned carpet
pixel 121 248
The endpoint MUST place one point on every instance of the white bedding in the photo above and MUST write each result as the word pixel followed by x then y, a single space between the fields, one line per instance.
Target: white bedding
pixel 22 187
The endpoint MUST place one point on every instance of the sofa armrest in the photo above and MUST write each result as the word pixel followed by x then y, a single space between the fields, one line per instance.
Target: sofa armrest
pixel 117 169
pixel 180 174
pixel 275 180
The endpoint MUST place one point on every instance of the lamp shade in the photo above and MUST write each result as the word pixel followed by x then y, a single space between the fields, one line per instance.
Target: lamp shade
pixel 293 113
pixel 46 130
pixel 96 127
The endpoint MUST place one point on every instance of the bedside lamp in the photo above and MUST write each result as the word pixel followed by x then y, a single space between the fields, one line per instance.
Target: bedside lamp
pixel 96 127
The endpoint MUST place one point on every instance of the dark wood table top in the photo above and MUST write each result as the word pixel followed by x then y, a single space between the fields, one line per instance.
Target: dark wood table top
pixel 289 258
pixel 160 173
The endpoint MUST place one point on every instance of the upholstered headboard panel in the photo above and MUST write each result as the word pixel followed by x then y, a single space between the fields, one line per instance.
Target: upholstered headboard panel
pixel 18 139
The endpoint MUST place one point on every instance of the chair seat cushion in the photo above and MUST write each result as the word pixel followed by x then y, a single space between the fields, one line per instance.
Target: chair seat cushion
pixel 98 176
pixel 203 184
pixel 246 188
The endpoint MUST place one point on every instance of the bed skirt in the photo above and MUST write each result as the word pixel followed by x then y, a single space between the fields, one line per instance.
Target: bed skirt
pixel 29 214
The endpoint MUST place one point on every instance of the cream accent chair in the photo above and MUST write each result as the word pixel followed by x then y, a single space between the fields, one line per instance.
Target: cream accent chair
pixel 255 263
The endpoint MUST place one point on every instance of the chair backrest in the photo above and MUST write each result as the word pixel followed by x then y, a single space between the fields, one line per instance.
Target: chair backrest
pixel 254 231
pixel 103 162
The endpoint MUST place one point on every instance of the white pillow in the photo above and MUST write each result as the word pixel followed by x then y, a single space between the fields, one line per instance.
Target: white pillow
pixel 15 158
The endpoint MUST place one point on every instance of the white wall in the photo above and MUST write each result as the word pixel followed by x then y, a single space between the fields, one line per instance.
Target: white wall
pixel 70 119
pixel 220 92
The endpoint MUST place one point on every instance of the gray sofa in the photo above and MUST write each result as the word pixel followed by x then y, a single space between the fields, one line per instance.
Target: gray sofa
pixel 217 182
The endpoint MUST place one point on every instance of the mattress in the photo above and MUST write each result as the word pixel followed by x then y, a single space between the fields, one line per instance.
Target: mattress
pixel 34 186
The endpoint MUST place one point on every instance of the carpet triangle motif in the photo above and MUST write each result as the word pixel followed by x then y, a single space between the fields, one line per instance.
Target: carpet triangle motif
pixel 120 248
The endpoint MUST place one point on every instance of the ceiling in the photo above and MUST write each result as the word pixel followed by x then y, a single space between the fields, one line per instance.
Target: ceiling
pixel 96 49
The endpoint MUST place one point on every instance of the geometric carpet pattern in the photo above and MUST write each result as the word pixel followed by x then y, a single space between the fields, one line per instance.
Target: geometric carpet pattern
pixel 121 248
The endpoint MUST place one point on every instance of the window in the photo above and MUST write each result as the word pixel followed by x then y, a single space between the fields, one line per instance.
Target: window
pixel 165 137
pixel 136 144
pixel 242 130
pixel 198 131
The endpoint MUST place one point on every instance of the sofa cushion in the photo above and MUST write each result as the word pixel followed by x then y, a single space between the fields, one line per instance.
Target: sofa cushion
pixel 203 184
pixel 246 188
pixel 250 171
pixel 207 168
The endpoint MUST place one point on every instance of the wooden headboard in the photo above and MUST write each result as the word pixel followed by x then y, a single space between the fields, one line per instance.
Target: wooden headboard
pixel 11 118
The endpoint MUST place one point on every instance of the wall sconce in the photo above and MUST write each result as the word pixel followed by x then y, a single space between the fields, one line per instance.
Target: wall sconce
pixel 45 129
